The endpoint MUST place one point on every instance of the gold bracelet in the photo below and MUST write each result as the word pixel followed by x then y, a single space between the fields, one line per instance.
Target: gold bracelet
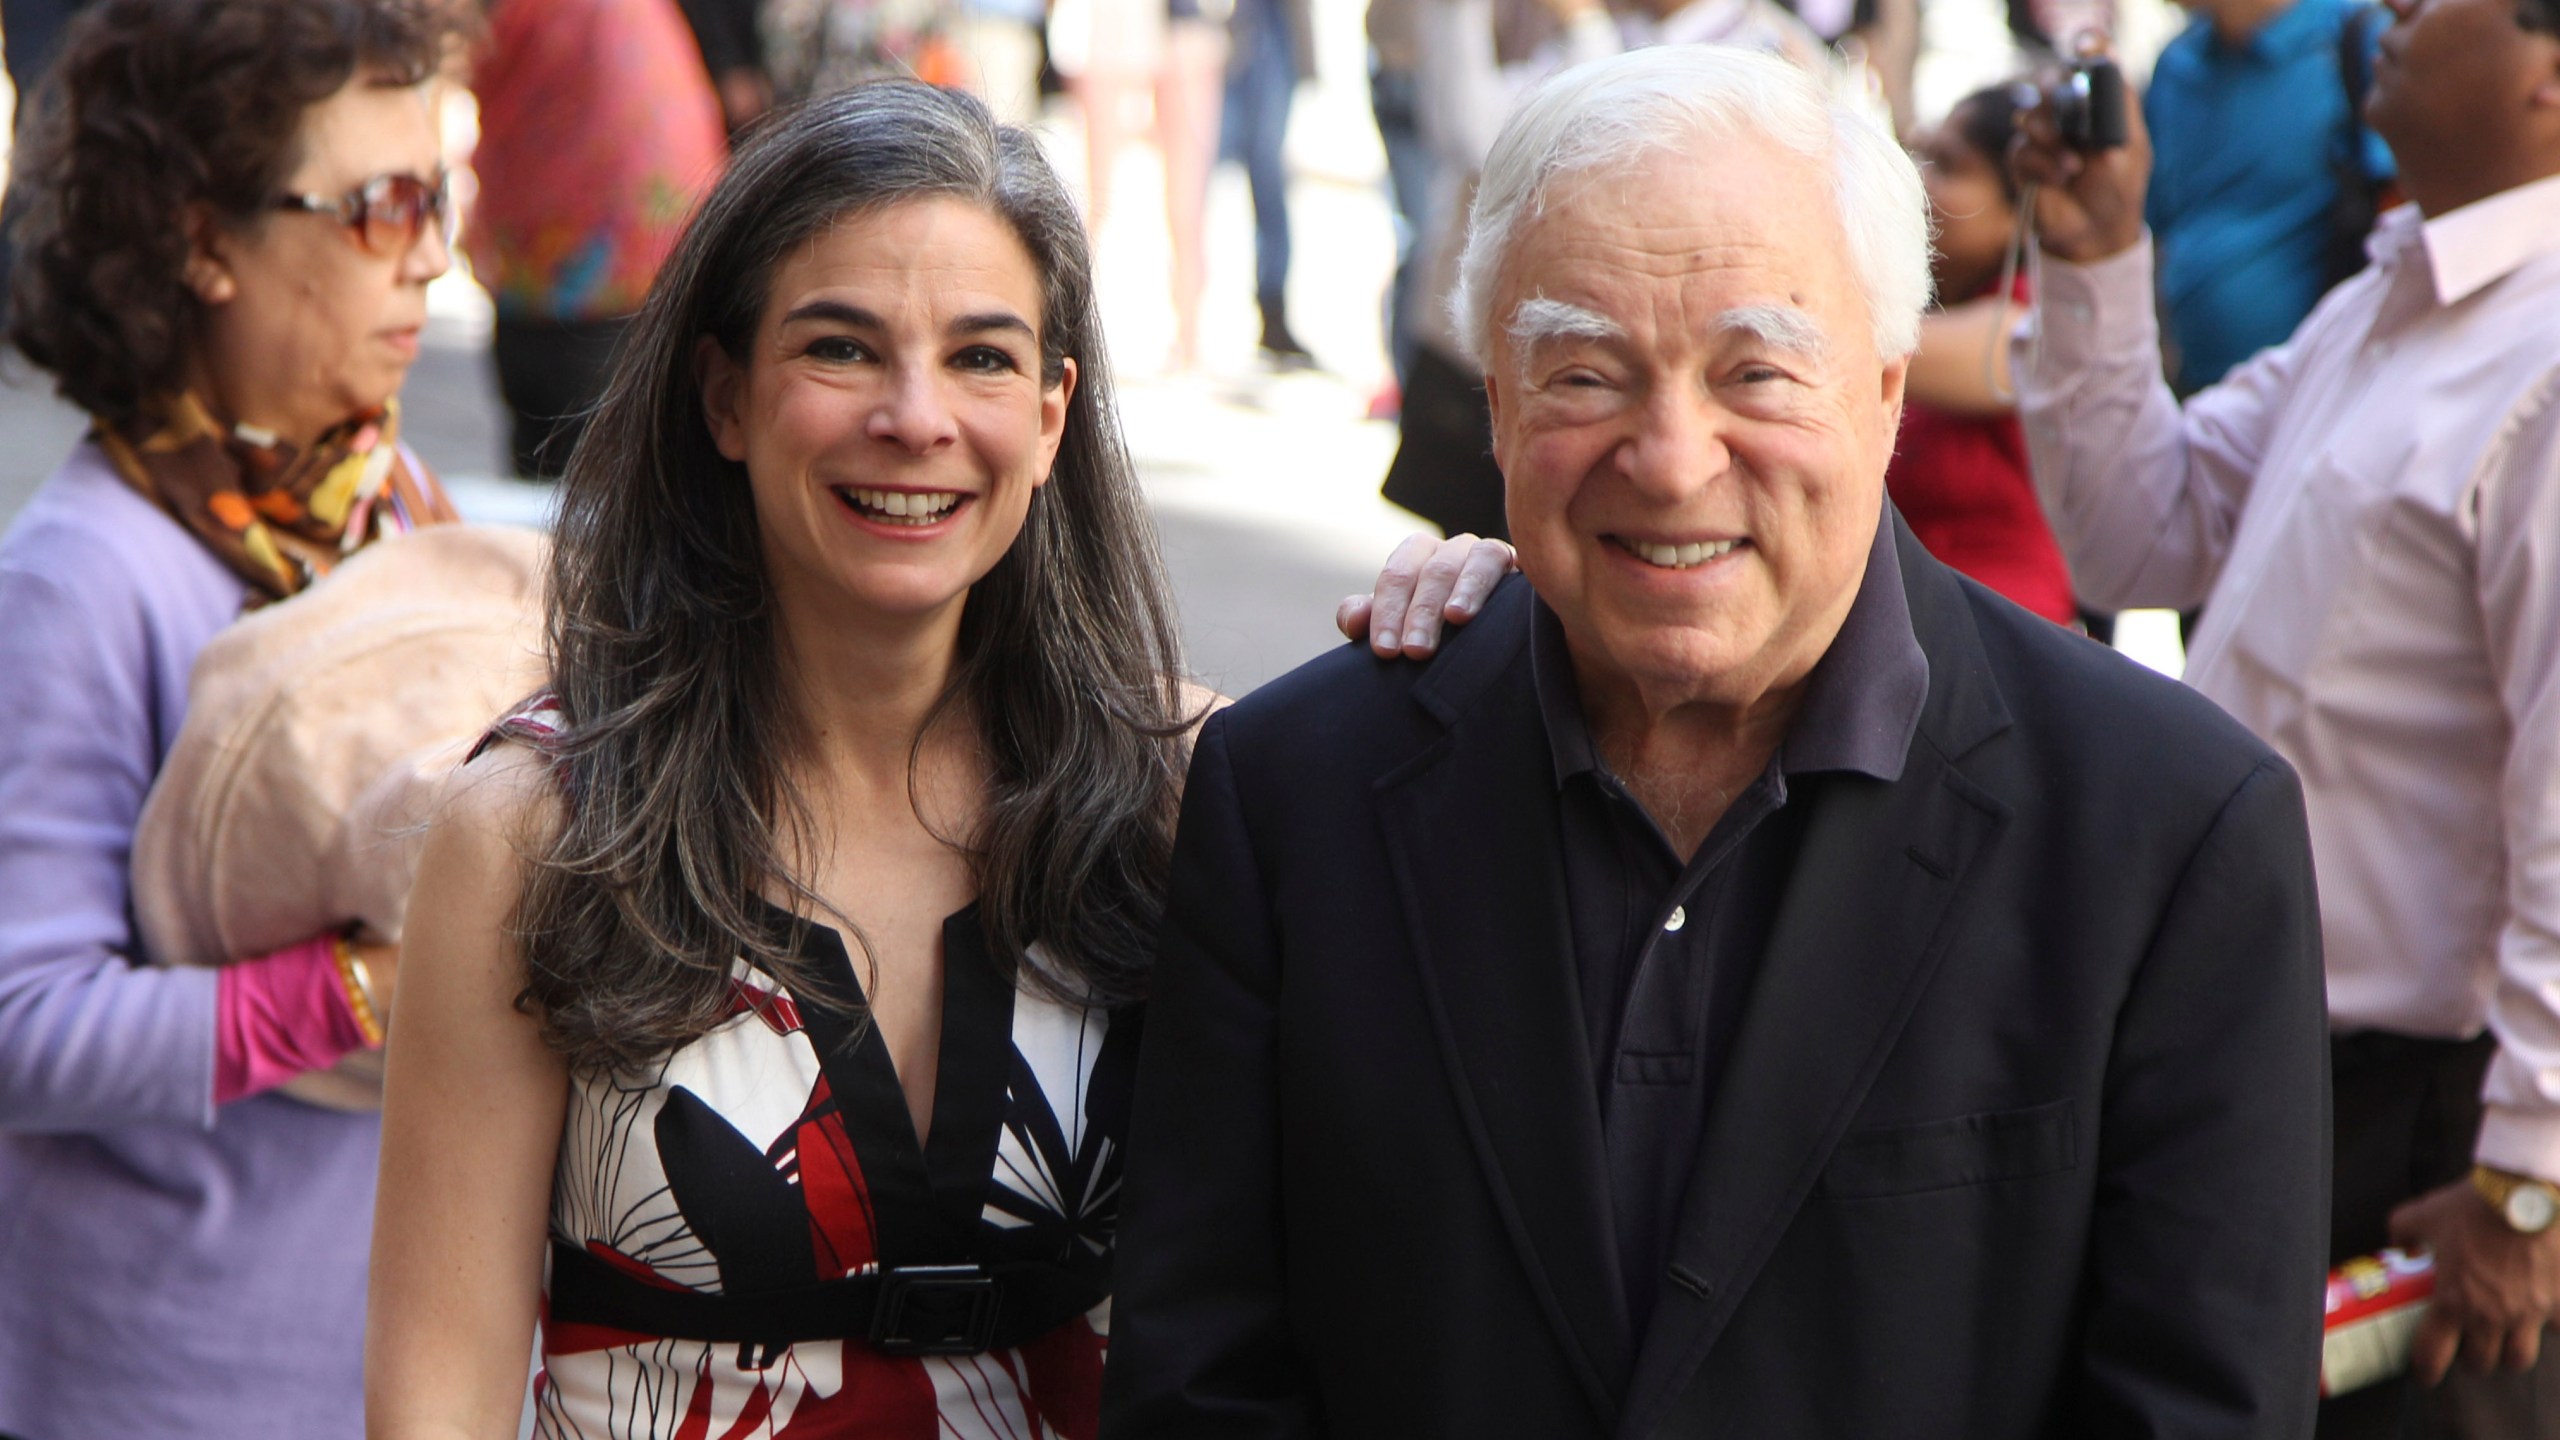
pixel 357 981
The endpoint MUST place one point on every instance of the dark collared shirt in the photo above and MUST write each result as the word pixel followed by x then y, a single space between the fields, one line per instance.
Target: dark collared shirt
pixel 1667 950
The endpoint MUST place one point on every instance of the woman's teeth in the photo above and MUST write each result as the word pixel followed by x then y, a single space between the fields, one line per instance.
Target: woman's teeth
pixel 1677 557
pixel 902 507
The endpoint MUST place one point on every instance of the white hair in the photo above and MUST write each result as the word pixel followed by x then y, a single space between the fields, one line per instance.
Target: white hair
pixel 1610 112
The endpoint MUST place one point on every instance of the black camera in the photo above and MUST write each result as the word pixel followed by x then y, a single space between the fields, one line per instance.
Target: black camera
pixel 2088 106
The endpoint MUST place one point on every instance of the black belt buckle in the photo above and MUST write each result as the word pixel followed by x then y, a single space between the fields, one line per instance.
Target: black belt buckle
pixel 935 1310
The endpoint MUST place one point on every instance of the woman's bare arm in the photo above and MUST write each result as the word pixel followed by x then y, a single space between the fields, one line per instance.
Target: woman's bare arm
pixel 470 1127
pixel 1963 362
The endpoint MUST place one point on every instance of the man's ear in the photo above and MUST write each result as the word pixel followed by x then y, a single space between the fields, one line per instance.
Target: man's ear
pixel 1493 412
pixel 207 273
pixel 724 386
pixel 1897 378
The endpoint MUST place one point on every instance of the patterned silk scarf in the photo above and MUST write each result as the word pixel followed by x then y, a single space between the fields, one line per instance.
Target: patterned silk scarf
pixel 278 517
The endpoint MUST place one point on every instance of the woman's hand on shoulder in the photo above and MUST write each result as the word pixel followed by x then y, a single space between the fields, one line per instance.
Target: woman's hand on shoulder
pixel 1426 585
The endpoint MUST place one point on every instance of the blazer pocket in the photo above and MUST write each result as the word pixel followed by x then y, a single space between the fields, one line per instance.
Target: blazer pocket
pixel 1946 1154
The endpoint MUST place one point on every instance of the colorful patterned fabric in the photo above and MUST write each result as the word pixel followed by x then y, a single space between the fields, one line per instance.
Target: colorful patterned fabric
pixel 599 132
pixel 278 517
pixel 776 1152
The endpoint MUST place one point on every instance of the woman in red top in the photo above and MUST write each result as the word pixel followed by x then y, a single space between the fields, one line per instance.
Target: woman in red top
pixel 1959 473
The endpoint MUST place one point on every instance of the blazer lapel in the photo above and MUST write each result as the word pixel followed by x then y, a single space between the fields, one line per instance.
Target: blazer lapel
pixel 1857 937
pixel 1471 829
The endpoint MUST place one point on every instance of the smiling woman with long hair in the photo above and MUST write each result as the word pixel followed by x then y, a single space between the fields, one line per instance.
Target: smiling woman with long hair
pixel 775 974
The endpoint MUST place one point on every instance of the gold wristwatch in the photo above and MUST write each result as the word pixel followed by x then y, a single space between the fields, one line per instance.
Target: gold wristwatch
pixel 2526 1204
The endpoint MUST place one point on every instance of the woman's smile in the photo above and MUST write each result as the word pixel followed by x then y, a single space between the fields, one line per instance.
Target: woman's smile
pixel 909 512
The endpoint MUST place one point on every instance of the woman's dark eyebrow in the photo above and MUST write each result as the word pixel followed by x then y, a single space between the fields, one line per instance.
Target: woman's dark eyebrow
pixel 840 313
pixel 992 320
pixel 835 310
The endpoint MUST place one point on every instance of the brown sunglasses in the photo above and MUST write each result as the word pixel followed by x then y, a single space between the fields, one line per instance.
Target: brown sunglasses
pixel 385 214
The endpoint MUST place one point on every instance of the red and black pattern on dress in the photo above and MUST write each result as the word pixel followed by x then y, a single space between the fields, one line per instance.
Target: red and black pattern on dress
pixel 776 1152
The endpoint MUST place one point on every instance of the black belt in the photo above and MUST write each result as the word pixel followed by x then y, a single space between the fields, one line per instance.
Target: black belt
pixel 903 1310
pixel 2357 1051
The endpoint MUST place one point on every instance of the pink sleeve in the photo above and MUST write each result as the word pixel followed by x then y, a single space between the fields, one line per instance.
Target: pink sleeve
pixel 279 1016
pixel 2143 495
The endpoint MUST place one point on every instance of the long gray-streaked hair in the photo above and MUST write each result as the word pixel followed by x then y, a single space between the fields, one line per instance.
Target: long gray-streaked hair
pixel 681 813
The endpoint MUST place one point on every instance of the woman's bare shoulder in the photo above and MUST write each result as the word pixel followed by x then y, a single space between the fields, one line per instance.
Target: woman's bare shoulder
pixel 499 806
pixel 1199 702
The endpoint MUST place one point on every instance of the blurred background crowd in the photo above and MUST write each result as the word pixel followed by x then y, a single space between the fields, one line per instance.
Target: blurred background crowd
pixel 1276 192
pixel 1273 186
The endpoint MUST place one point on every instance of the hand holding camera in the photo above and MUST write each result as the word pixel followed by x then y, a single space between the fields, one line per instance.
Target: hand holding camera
pixel 2082 148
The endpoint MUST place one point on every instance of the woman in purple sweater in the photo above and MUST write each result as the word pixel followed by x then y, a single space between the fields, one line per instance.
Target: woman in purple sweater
pixel 234 207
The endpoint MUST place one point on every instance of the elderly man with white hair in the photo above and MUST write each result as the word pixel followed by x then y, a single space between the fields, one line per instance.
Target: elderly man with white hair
pixel 1754 982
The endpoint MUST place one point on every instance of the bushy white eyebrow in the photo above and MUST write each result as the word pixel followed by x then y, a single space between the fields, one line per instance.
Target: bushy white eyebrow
pixel 1539 320
pixel 1780 327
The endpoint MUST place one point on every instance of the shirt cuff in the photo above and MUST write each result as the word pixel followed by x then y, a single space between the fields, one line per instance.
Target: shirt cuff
pixel 2523 1142
pixel 2094 314
pixel 279 1016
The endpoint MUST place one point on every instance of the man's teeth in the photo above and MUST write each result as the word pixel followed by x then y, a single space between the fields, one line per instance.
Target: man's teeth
pixel 905 507
pixel 1678 557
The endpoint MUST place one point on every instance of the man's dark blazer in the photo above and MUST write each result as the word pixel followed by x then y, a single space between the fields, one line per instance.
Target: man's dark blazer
pixel 2025 1132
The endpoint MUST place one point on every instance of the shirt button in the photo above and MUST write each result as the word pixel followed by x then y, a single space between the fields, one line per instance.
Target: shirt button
pixel 1679 917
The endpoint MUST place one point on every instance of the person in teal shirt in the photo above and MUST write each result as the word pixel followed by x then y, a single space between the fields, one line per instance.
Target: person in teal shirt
pixel 2254 123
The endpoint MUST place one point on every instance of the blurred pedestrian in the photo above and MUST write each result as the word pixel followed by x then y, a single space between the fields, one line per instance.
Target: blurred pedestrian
pixel 30 33
pixel 598 131
pixel 233 209
pixel 1763 25
pixel 1187 103
pixel 817 47
pixel 997 43
pixel 1959 472
pixel 731 39
pixel 1168 55
pixel 2373 508
pixel 1882 36
pixel 1395 105
pixel 2265 180
pixel 1271 49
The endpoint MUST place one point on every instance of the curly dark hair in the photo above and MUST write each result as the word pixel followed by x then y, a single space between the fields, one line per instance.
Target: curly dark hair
pixel 157 105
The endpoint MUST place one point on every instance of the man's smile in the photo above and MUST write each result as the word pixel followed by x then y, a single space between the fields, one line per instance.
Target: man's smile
pixel 1669 556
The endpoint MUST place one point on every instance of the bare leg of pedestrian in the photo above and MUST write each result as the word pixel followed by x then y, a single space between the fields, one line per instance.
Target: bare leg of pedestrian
pixel 1000 55
pixel 1188 89
pixel 1104 94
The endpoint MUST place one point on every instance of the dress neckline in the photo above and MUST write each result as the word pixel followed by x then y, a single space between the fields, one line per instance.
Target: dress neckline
pixel 945 1175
